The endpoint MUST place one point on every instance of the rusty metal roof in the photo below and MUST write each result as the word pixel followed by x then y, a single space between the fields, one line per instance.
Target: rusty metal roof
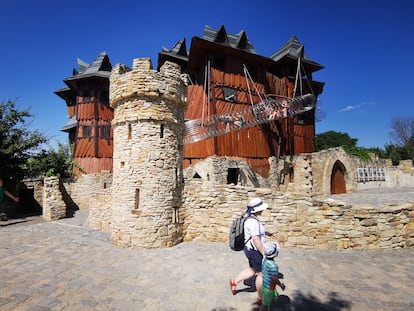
pixel 293 49
pixel 236 41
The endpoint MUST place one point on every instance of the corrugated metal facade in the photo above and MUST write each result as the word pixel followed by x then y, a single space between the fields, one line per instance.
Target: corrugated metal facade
pixel 90 130
pixel 255 144
pixel 94 139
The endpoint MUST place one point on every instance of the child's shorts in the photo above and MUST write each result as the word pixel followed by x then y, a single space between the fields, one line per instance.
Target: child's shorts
pixel 268 296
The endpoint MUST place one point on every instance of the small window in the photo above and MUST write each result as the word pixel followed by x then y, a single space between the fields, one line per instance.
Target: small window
pixel 233 175
pixel 229 94
pixel 87 131
pixel 105 131
pixel 176 215
pixel 129 131
pixel 136 199
pixel 162 131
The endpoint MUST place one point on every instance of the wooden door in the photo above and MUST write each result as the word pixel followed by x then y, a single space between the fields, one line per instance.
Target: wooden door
pixel 338 179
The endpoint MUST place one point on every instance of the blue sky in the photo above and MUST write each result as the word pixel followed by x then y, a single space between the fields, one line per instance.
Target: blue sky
pixel 366 48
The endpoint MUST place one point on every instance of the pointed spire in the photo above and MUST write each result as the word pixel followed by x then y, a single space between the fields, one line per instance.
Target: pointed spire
pixel 292 48
pixel 221 36
pixel 236 41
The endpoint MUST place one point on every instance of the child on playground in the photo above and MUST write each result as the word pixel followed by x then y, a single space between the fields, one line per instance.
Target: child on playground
pixel 270 275
pixel 3 191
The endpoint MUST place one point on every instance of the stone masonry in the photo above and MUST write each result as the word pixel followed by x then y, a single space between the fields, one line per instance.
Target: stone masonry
pixel 54 207
pixel 149 202
pixel 148 132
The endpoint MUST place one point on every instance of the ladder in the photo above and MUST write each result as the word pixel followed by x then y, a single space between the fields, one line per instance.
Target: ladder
pixel 267 110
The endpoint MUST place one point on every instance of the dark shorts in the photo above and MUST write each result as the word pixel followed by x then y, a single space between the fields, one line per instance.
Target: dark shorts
pixel 255 259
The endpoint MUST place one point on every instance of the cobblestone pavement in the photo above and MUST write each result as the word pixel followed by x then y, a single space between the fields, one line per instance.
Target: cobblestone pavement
pixel 64 265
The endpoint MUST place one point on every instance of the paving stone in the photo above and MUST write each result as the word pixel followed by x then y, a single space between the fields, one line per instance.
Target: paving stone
pixel 64 265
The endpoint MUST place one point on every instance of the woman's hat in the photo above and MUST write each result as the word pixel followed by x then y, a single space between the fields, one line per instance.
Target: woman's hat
pixel 271 249
pixel 257 205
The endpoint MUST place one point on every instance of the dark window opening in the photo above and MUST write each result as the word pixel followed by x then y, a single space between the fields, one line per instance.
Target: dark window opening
pixel 136 199
pixel 176 216
pixel 233 175
pixel 129 131
pixel 162 131
pixel 87 131
pixel 196 175
pixel 229 94
pixel 291 173
pixel 105 131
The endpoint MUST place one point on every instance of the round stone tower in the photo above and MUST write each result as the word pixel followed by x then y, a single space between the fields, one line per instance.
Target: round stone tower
pixel 148 129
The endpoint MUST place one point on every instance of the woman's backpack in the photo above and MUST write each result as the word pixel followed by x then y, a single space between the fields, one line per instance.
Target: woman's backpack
pixel 236 235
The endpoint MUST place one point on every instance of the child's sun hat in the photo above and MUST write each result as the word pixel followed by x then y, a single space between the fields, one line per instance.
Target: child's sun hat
pixel 271 249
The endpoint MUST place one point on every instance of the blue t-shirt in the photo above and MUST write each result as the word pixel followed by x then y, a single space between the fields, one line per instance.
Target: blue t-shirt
pixel 269 270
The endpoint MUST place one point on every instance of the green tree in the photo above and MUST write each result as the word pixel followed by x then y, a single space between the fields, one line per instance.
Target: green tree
pixel 396 153
pixel 332 139
pixel 18 142
pixel 50 163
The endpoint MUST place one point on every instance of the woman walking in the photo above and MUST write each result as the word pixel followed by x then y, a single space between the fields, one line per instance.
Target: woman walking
pixel 254 238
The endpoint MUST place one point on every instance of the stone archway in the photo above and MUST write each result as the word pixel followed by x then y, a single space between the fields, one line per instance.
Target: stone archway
pixel 338 184
pixel 333 162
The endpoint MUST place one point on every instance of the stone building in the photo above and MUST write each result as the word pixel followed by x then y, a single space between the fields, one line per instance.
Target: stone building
pixel 162 192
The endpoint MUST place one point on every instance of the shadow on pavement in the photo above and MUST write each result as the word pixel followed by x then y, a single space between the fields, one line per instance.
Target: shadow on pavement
pixel 301 302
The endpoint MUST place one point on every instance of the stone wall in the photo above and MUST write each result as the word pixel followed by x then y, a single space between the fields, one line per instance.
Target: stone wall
pixel 84 190
pixel 54 207
pixel 401 175
pixel 298 221
pixel 214 170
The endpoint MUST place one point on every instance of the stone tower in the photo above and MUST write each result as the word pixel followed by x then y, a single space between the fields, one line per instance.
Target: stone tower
pixel 148 128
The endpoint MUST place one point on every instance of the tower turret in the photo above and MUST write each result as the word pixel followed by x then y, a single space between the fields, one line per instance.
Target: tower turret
pixel 148 151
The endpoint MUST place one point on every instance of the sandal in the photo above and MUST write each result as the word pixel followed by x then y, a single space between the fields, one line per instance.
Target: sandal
pixel 232 286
